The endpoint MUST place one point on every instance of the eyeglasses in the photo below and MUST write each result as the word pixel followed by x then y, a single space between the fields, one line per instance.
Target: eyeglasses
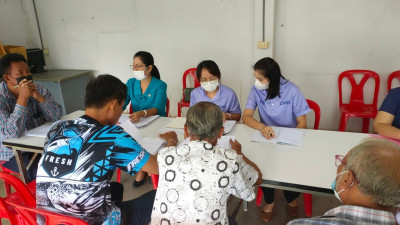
pixel 134 67
pixel 212 78
pixel 339 160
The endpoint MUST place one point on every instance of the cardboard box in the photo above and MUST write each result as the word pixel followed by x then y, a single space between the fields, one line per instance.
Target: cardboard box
pixel 16 49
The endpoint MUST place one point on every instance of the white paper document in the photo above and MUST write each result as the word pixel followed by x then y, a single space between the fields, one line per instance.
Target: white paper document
pixel 142 122
pixel 40 131
pixel 223 142
pixel 286 136
pixel 177 123
pixel 228 126
pixel 152 145
pixel 124 117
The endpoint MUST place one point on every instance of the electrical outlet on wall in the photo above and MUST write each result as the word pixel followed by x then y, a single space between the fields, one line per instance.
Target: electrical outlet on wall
pixel 45 51
pixel 262 44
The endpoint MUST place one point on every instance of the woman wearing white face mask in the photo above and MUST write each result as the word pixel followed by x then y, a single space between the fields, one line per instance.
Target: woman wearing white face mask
pixel 146 93
pixel 212 91
pixel 280 103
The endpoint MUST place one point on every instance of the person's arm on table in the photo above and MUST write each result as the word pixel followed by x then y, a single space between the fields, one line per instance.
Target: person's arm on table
pixel 13 124
pixel 383 125
pixel 248 119
pixel 232 116
pixel 238 148
pixel 135 117
pixel 301 122
pixel 52 111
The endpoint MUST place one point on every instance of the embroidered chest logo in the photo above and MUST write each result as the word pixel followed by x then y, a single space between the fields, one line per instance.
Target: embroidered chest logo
pixel 285 103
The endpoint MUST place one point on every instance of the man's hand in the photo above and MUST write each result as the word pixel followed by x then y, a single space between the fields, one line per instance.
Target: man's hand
pixel 236 146
pixel 170 137
pixel 36 95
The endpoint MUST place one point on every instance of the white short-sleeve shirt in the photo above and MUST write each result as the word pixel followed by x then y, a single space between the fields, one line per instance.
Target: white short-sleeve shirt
pixel 195 182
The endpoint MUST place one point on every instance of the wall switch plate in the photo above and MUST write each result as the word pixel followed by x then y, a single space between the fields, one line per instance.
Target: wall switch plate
pixel 45 51
pixel 262 45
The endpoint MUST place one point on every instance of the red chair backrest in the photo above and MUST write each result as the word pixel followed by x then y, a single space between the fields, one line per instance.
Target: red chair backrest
pixel 395 74
pixel 28 215
pixel 357 95
pixel 166 108
pixel 22 191
pixel 317 111
pixel 192 72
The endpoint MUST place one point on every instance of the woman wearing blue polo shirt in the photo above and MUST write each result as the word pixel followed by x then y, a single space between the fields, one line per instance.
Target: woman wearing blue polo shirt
pixel 280 103
pixel 212 91
pixel 146 93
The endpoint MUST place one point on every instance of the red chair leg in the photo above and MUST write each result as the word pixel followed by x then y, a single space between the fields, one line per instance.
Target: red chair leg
pixel 308 204
pixel 259 196
pixel 154 180
pixel 365 128
pixel 118 175
pixel 7 185
pixel 179 109
pixel 343 123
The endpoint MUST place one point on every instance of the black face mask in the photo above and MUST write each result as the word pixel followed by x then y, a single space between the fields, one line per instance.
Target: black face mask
pixel 19 79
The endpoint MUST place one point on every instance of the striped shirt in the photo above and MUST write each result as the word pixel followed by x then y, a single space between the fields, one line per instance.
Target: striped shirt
pixel 16 119
pixel 349 215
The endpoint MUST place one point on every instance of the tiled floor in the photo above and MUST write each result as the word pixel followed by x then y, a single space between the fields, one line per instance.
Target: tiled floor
pixel 251 217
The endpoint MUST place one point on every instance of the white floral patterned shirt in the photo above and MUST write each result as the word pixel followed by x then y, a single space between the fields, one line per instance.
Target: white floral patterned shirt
pixel 195 182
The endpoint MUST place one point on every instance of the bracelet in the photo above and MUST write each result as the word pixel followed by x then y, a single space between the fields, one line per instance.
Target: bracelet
pixel 229 115
pixel 145 112
pixel 173 141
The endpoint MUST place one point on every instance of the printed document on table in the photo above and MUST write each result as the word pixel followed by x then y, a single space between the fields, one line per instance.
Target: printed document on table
pixel 177 123
pixel 228 126
pixel 287 136
pixel 142 122
pixel 40 131
pixel 223 142
pixel 152 145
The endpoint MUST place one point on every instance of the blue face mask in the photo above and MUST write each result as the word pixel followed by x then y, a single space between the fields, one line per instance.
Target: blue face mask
pixel 333 186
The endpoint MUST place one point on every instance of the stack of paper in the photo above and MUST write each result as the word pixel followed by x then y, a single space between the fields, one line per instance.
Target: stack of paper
pixel 142 122
pixel 40 131
pixel 287 136
pixel 177 123
pixel 228 126
pixel 152 145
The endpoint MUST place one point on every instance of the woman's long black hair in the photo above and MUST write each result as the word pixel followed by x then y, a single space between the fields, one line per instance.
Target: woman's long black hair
pixel 269 68
pixel 148 60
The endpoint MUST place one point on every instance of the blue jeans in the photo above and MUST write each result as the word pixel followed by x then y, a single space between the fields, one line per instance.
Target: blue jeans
pixel 138 211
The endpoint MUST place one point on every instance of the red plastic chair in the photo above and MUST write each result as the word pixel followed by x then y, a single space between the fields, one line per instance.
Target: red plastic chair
pixel 356 107
pixel 22 195
pixel 182 103
pixel 307 197
pixel 395 74
pixel 28 216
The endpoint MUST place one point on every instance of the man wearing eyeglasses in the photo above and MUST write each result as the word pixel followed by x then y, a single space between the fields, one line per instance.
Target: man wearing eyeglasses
pixel 367 182
pixel 24 105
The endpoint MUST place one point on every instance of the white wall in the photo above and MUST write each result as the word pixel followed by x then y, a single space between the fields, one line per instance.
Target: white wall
pixel 317 40
pixel 104 35
pixel 313 41
pixel 18 24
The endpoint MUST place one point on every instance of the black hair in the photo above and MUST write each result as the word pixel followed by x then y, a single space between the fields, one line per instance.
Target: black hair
pixel 103 89
pixel 211 66
pixel 6 60
pixel 148 60
pixel 269 68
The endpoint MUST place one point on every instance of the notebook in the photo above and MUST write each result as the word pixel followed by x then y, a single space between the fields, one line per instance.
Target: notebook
pixel 286 136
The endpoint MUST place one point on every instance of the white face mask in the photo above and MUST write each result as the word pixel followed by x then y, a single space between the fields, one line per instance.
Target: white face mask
pixel 210 86
pixel 260 85
pixel 139 75
pixel 333 186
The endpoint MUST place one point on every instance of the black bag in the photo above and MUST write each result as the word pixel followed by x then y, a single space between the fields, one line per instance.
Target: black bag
pixel 186 94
